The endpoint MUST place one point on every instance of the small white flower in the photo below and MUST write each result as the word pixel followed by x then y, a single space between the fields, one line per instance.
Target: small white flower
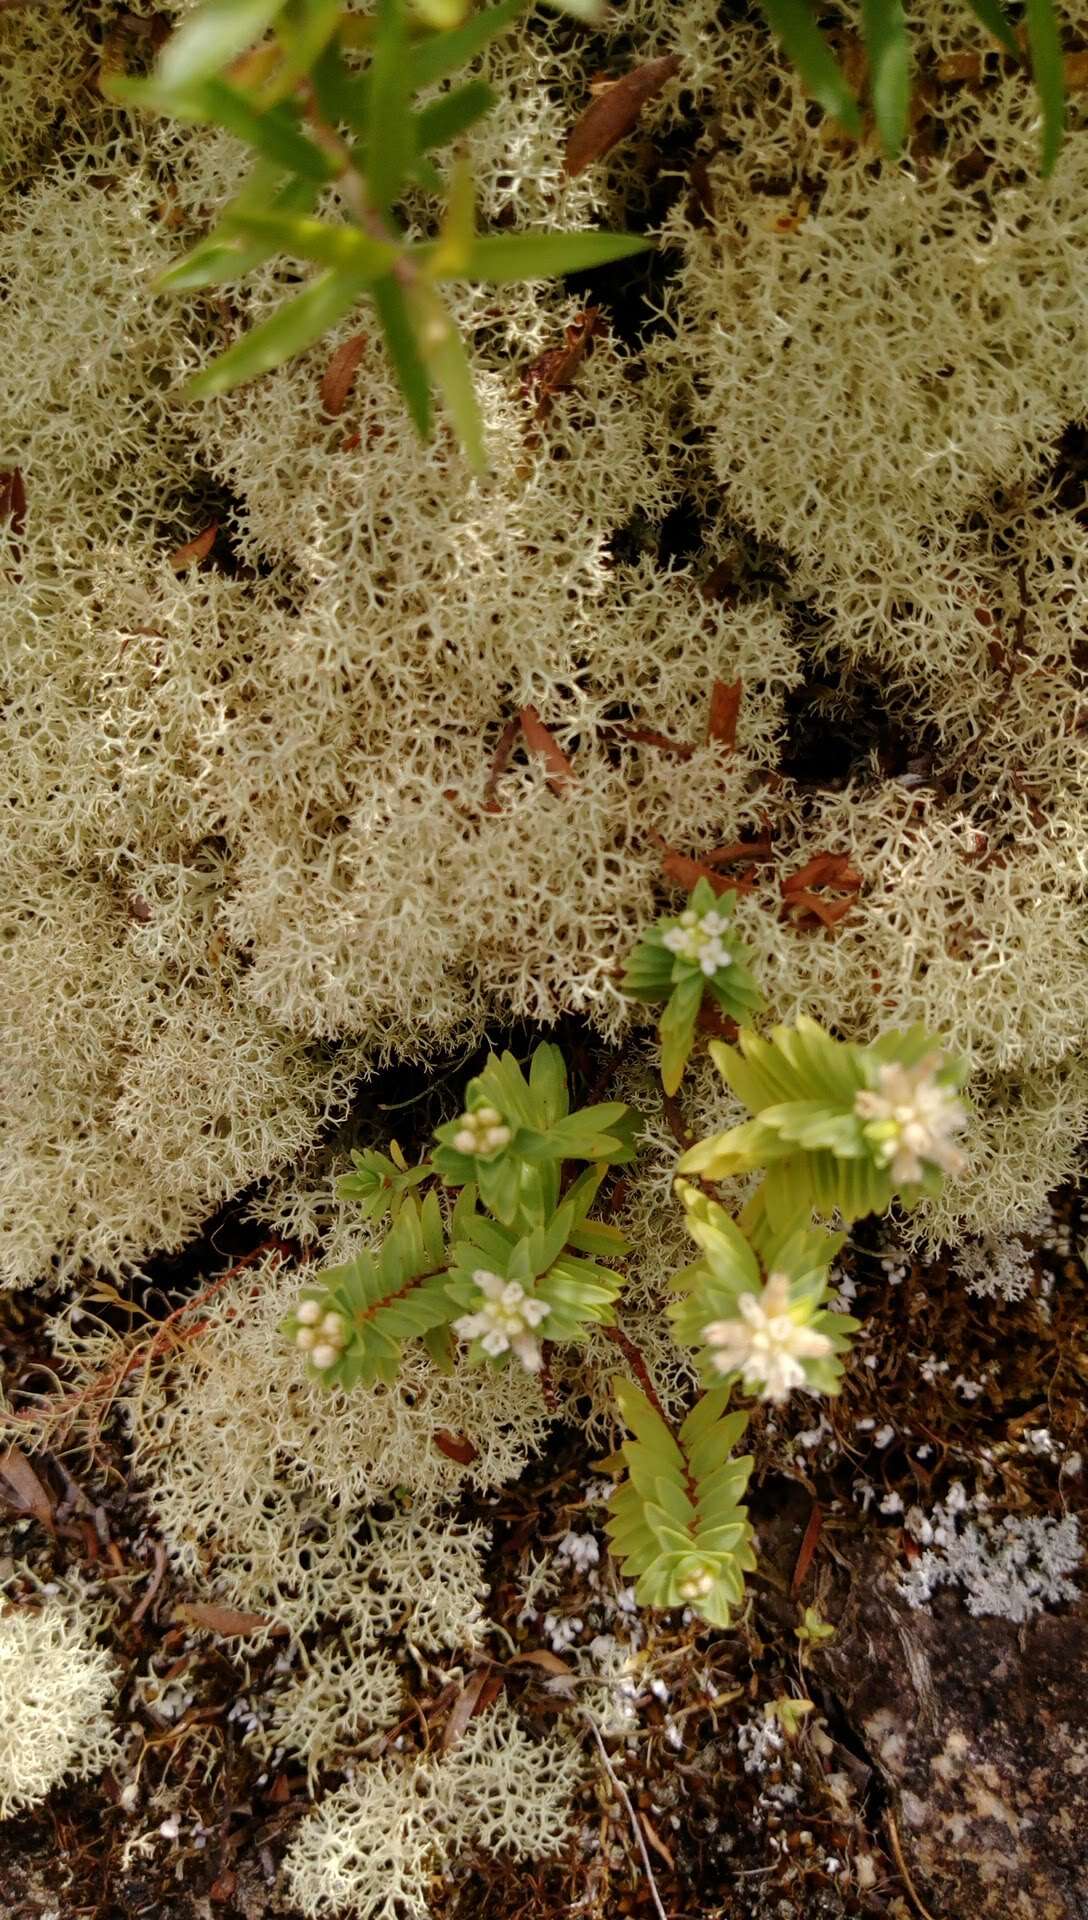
pixel 766 1345
pixel 308 1313
pixel 505 1320
pixel 483 1131
pixel 920 1117
pixel 324 1356
pixel 306 1339
pixel 698 939
pixel 334 1329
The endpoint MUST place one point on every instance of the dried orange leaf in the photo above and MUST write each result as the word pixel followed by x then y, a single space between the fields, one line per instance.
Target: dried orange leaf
pixel 13 499
pixel 340 373
pixel 547 1662
pixel 222 1620
pixel 466 1704
pixel 194 550
pixel 724 710
pixel 539 739
pixel 615 111
pixel 456 1447
pixel 556 368
pixel 19 1479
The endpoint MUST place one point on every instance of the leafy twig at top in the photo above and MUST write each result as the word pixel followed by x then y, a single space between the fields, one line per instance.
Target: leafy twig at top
pixel 325 100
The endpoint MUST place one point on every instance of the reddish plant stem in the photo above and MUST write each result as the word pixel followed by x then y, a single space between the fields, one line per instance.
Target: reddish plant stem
pixel 639 1368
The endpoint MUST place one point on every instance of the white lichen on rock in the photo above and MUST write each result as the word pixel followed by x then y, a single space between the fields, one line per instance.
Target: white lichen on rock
pixel 1012 1567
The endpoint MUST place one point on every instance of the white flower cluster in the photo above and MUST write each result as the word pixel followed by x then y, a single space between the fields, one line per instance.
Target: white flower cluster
pixel 505 1320
pixel 698 1583
pixel 698 938
pixel 482 1131
pixel 321 1336
pixel 766 1345
pixel 920 1116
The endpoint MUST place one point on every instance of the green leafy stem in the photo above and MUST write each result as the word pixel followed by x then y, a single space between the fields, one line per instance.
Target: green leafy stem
pixel 326 102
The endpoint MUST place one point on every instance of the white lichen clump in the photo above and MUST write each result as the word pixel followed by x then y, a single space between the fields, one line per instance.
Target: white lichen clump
pixel 767 1343
pixel 506 1320
pixel 56 1689
pixel 371 1849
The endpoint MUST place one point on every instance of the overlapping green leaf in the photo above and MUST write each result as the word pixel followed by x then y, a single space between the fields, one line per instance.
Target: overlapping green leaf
pixel 385 1298
pixel 677 1522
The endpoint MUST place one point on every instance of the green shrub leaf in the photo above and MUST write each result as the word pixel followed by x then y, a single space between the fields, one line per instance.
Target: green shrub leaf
pixel 404 354
pixel 795 26
pixel 295 327
pixel 433 59
pixel 887 42
pixel 1048 68
pixel 500 258
pixel 996 21
pixel 211 38
pixel 391 135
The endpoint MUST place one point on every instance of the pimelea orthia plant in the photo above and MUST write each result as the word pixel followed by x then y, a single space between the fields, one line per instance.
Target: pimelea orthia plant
pixel 501 1257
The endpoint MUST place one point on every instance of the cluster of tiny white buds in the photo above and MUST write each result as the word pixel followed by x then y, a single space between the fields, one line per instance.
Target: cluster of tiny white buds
pixel 916 1117
pixel 482 1131
pixel 506 1320
pixel 765 1344
pixel 697 1584
pixel 322 1336
pixel 698 937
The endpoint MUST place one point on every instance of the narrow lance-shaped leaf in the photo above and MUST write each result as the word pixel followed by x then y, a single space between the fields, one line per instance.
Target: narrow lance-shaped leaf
pixel 223 256
pixel 444 119
pixel 273 134
pixel 887 43
pixel 296 326
pixel 449 363
pixel 391 141
pixel 1047 67
pixel 209 39
pixel 321 242
pixel 501 258
pixel 996 21
pixel 404 354
pixel 304 29
pixel 434 59
pixel 793 22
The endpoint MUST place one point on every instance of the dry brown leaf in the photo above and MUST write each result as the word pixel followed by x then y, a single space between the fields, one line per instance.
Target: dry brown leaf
pixel 225 1621
pixel 823 870
pixel 615 111
pixel 547 1662
pixel 456 1447
pixel 466 1704
pixel 646 737
pixel 687 873
pixel 337 380
pixel 724 711
pixel 13 499
pixel 539 739
pixel 194 550
pixel 30 1496
pixel 808 1547
pixel 556 367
